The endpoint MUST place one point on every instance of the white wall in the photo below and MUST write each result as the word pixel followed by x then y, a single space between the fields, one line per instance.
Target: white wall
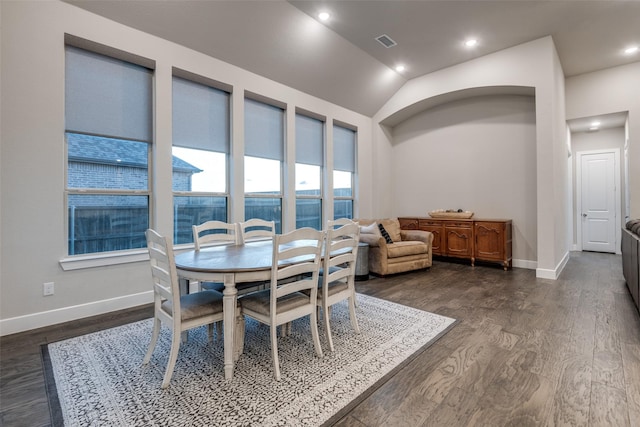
pixel 611 91
pixel 530 65
pixel 475 154
pixel 33 158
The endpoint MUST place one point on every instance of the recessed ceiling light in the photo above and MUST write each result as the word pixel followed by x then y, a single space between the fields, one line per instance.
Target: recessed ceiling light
pixel 324 16
pixel 631 50
pixel 595 124
pixel 400 68
pixel 594 128
pixel 471 42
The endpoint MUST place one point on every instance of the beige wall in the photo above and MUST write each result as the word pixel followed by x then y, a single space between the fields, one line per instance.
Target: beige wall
pixel 530 66
pixel 475 154
pixel 611 91
pixel 33 159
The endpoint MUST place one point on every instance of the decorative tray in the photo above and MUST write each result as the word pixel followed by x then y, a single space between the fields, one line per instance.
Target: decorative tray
pixel 445 214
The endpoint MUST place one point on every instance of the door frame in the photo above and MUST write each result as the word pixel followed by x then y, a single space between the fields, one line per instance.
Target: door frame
pixel 617 199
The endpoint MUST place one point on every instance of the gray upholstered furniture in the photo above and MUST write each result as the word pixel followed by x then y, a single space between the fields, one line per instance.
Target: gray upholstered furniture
pixel 409 249
pixel 630 259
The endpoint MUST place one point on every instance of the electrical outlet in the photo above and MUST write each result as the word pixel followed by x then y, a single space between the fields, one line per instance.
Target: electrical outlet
pixel 47 288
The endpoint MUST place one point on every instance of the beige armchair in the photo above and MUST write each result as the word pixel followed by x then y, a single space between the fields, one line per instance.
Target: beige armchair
pixel 409 250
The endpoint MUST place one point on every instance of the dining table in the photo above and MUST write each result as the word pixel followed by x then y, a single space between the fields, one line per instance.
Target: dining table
pixel 229 264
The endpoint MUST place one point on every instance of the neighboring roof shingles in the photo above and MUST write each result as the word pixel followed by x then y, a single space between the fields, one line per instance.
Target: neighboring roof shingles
pixel 112 151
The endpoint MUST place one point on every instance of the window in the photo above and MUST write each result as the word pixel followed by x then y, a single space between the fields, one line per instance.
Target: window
pixel 344 150
pixel 201 139
pixel 264 154
pixel 108 140
pixel 309 162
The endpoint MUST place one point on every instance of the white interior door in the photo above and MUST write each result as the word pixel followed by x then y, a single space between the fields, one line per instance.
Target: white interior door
pixel 598 202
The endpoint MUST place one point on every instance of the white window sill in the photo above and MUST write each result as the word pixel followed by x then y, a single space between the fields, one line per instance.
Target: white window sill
pixel 80 262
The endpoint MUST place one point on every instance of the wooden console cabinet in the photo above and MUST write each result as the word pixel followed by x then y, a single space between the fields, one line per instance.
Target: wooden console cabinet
pixel 472 239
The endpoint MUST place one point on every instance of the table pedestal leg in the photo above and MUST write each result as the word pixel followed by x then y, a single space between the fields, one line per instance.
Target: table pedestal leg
pixel 229 302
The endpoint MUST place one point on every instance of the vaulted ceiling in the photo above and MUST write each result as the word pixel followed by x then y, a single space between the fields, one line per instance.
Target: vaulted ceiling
pixel 339 60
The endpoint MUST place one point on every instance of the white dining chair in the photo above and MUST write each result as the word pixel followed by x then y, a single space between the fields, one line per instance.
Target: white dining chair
pixel 295 255
pixel 218 232
pixel 257 229
pixel 179 313
pixel 337 279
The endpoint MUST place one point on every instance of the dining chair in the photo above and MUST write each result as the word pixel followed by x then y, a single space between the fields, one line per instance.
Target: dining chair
pixel 336 283
pixel 257 228
pixel 215 232
pixel 295 255
pixel 222 233
pixel 179 313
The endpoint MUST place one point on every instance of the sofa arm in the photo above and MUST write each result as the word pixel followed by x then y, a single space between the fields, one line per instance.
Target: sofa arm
pixel 373 240
pixel 419 235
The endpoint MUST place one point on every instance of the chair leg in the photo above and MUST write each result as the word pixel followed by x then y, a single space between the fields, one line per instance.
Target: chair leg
pixel 154 340
pixel 314 333
pixel 352 314
pixel 327 327
pixel 274 351
pixel 173 356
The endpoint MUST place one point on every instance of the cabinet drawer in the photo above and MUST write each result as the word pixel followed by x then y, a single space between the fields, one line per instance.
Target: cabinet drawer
pixel 409 223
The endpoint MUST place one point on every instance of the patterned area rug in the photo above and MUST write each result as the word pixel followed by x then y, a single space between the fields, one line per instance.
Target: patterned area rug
pixel 98 379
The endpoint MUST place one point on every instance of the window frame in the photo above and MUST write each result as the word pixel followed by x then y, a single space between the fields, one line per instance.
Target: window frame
pixel 353 173
pixel 74 260
pixel 282 161
pixel 210 84
pixel 321 191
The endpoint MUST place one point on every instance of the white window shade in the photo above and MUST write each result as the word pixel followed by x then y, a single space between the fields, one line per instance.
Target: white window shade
pixel 200 116
pixel 263 130
pixel 309 137
pixel 106 96
pixel 344 149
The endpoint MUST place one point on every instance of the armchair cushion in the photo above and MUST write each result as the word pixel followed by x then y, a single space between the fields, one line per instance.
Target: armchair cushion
pixel 400 249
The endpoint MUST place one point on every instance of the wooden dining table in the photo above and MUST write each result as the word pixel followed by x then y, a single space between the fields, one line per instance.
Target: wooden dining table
pixel 229 264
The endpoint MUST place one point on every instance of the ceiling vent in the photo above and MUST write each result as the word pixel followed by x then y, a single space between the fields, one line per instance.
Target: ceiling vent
pixel 386 41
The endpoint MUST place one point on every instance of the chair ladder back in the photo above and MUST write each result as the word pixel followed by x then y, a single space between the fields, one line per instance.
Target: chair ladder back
pixel 163 269
pixel 219 232
pixel 342 248
pixel 296 254
pixel 257 228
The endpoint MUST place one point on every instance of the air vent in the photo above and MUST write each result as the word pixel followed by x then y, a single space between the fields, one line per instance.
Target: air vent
pixel 386 41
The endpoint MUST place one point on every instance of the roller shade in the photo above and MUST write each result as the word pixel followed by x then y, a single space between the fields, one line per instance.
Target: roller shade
pixel 106 96
pixel 263 130
pixel 309 138
pixel 201 117
pixel 344 149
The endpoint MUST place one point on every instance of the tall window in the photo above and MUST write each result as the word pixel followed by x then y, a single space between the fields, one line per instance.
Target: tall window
pixel 108 140
pixel 344 167
pixel 264 154
pixel 309 162
pixel 201 129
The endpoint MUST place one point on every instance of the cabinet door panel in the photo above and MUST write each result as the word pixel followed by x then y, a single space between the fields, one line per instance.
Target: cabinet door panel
pixel 490 241
pixel 459 241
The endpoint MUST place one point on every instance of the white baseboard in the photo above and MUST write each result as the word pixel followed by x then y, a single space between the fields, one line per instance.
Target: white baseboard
pixel 525 263
pixel 543 273
pixel 52 317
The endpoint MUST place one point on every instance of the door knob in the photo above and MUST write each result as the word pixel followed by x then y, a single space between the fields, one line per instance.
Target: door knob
pixel 584 215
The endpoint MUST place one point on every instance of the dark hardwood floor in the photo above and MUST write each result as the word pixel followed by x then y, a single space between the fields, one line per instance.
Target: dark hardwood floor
pixel 526 351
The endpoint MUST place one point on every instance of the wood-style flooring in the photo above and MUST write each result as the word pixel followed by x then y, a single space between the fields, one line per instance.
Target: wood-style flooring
pixel 526 351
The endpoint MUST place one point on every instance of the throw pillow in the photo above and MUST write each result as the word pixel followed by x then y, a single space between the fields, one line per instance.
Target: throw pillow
pixel 370 229
pixel 385 234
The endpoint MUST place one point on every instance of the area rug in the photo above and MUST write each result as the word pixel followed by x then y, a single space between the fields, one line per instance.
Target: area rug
pixel 99 380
